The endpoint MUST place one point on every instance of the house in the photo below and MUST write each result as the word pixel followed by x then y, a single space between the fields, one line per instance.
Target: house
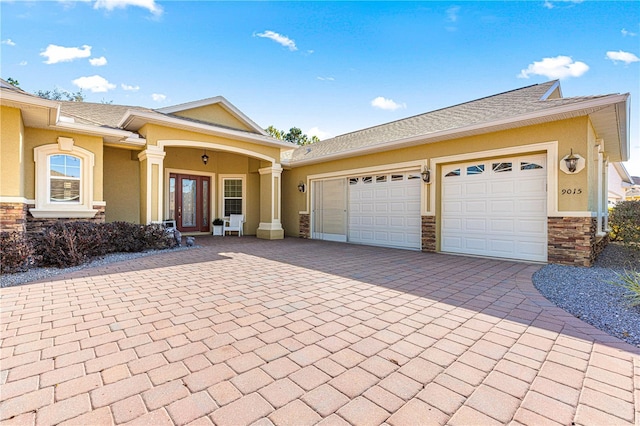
pixel 633 190
pixel 517 175
pixel 618 183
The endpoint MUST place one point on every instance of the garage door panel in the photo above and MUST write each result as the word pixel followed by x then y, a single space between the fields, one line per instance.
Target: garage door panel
pixel 475 224
pixel 502 225
pixel 506 219
pixel 475 206
pixel 388 208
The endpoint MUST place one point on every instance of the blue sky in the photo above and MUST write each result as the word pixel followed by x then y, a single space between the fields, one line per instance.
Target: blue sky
pixel 326 67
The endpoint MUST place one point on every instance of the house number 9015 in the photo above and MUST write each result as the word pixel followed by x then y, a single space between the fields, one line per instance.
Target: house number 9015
pixel 574 191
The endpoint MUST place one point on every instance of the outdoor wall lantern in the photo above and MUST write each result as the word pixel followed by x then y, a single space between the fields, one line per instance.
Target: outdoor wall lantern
pixel 426 175
pixel 205 157
pixel 572 163
pixel 302 187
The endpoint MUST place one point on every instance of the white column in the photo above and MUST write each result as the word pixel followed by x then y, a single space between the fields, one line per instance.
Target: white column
pixel 151 161
pixel 270 203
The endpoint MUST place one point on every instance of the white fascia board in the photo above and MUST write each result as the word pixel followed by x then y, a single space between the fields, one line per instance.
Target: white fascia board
pixel 147 117
pixel 622 172
pixel 550 114
pixel 121 136
pixel 33 101
pixel 212 101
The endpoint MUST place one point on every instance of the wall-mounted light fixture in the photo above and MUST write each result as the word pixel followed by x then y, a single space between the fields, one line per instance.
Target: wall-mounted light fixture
pixel 302 187
pixel 205 157
pixel 572 163
pixel 426 175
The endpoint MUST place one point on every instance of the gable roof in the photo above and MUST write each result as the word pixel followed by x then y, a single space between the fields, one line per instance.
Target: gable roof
pixel 529 105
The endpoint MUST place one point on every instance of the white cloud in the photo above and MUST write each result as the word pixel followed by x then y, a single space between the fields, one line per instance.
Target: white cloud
pixel 109 5
pixel 129 88
pixel 22 63
pixel 551 4
pixel 555 68
pixel 98 62
pixel 278 38
pixel 315 131
pixel 157 97
pixel 452 13
pixel 8 42
pixel 326 78
pixel 626 33
pixel 55 54
pixel 621 56
pixel 95 84
pixel 386 104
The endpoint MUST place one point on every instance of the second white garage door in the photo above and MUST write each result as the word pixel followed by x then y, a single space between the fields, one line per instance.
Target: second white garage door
pixel 496 208
pixel 384 210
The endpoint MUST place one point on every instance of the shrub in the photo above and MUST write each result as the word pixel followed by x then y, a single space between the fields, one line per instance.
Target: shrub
pixel 66 244
pixel 630 281
pixel 17 253
pixel 624 221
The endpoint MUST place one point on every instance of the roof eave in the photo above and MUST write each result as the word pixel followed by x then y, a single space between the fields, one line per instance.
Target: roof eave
pixel 132 119
pixel 212 101
pixel 537 117
pixel 110 135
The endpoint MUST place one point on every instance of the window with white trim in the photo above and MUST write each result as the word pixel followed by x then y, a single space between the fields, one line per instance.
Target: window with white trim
pixel 64 178
pixel 232 196
pixel 64 181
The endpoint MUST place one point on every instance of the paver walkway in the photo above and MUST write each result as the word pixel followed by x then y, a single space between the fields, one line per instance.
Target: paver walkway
pixel 304 332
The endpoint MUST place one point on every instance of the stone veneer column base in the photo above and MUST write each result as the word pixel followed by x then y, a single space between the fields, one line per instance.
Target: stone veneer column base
pixel 37 225
pixel 304 226
pixel 13 217
pixel 572 241
pixel 429 234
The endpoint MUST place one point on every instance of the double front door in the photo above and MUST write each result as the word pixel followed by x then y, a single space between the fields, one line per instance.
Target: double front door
pixel 189 203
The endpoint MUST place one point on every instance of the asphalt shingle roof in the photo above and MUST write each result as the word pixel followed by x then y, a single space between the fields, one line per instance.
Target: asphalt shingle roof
pixel 501 106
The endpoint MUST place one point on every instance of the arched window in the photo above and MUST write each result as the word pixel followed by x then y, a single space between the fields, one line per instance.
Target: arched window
pixel 64 181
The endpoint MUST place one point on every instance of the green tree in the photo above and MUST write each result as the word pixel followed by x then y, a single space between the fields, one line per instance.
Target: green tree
pixel 13 82
pixel 294 135
pixel 61 95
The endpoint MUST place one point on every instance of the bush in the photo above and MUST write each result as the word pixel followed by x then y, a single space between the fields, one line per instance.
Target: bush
pixel 66 244
pixel 630 281
pixel 17 253
pixel 624 221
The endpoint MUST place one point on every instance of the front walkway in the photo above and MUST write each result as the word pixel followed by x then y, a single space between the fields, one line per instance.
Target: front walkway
pixel 300 332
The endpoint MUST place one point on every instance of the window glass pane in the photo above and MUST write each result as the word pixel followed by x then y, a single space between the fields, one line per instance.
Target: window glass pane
pixel 353 181
pixel 172 198
pixel 367 179
pixel 529 166
pixel 475 170
pixel 233 187
pixel 381 178
pixel 232 206
pixel 410 177
pixel 189 200
pixel 502 167
pixel 64 166
pixel 64 190
pixel 397 177
pixel 455 172
pixel 205 203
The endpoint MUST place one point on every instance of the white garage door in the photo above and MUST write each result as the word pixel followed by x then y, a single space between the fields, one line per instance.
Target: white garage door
pixel 384 210
pixel 496 208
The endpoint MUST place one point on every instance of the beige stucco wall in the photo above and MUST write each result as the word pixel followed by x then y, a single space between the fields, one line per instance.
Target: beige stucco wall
pixel 221 163
pixel 154 133
pixel 121 185
pixel 11 153
pixel 569 134
pixel 37 137
pixel 214 114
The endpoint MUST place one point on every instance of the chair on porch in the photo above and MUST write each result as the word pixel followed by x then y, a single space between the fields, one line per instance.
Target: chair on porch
pixel 233 224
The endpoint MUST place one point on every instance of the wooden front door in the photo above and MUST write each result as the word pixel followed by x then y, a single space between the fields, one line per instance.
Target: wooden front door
pixel 189 203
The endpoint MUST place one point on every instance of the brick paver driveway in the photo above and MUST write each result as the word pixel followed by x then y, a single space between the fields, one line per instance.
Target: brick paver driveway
pixel 300 332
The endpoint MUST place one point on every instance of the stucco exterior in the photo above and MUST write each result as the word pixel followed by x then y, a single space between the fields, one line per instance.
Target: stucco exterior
pixel 133 158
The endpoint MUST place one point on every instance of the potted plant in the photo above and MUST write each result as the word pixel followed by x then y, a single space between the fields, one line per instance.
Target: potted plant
pixel 217 226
